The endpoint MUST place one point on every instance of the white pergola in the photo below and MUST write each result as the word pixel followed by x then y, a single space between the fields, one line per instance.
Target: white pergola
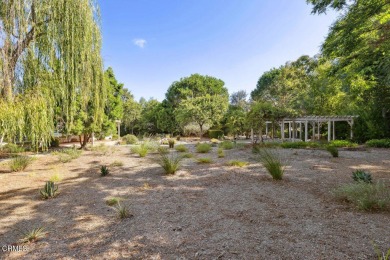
pixel 303 124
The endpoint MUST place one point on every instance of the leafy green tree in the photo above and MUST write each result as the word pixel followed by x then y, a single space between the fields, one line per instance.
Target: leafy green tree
pixel 131 111
pixel 148 122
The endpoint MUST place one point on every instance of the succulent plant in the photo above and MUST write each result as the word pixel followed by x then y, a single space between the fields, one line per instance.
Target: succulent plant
pixel 104 170
pixel 360 175
pixel 49 190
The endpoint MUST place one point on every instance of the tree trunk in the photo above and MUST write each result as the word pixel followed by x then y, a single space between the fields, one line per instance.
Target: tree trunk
pixel 201 132
pixel 85 140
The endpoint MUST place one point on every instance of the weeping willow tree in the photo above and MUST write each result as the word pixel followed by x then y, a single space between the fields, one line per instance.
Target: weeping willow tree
pixel 50 68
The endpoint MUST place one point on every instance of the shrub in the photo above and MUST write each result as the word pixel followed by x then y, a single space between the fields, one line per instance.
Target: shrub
pixel 203 148
pixel 343 143
pixel 333 150
pixel 181 148
pixel 142 150
pixel 294 145
pixel 33 235
pixel 101 149
pixel 379 143
pixel 115 137
pixel 204 160
pixel 171 143
pixel 104 171
pixel 226 145
pixel 19 163
pixel 12 148
pixel 49 190
pixel 217 134
pixel 56 177
pixel 116 164
pixel 237 163
pixel 214 141
pixel 130 139
pixel 122 211
pixel 163 150
pixel 113 201
pixel 360 175
pixel 188 155
pixel 272 163
pixel 221 153
pixel 365 196
pixel 170 163
pixel 67 155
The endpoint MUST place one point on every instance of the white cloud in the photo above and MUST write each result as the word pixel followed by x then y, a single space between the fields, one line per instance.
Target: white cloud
pixel 139 42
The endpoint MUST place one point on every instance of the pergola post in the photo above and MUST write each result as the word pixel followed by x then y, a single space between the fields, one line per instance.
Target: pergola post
pixel 329 129
pixel 282 130
pixel 333 129
pixel 319 134
pixel 314 130
pixel 306 130
pixel 351 125
pixel 289 130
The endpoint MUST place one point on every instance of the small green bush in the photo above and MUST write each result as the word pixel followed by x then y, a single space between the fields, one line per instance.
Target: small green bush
pixel 188 155
pixel 272 163
pixel 226 145
pixel 221 153
pixel 142 150
pixel 365 196
pixel 379 143
pixel 67 155
pixel 360 175
pixel 181 148
pixel 19 163
pixel 104 171
pixel 204 160
pixel 49 190
pixel 113 201
pixel 333 150
pixel 12 148
pixel 56 177
pixel 299 145
pixel 122 211
pixel 33 235
pixel 130 139
pixel 237 163
pixel 217 134
pixel 171 143
pixel 170 163
pixel 203 148
pixel 163 150
pixel 342 143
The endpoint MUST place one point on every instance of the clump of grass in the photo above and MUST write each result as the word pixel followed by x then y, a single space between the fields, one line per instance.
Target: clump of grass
pixel 67 155
pixel 104 171
pixel 19 163
pixel 272 163
pixel 360 175
pixel 33 235
pixel 56 177
pixel 113 201
pixel 146 186
pixel 365 196
pixel 187 155
pixel 116 164
pixel 163 150
pixel 101 149
pixel 381 255
pixel 141 150
pixel 170 163
pixel 122 211
pixel 12 148
pixel 204 160
pixel 226 145
pixel 333 150
pixel 379 143
pixel 203 148
pixel 343 143
pixel 237 163
pixel 221 153
pixel 181 148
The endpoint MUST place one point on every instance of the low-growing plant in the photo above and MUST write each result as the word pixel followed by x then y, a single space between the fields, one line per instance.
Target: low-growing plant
pixel 181 148
pixel 226 145
pixel 333 150
pixel 163 150
pixel 101 149
pixel 116 164
pixel 221 153
pixel 146 186
pixel 187 155
pixel 237 163
pixel 104 171
pixel 214 141
pixel 19 163
pixel 12 148
pixel 294 145
pixel 203 148
pixel 258 147
pixel 379 143
pixel 171 143
pixel 141 150
pixel 49 190
pixel 170 163
pixel 381 255
pixel 361 175
pixel 130 139
pixel 365 196
pixel 67 155
pixel 33 235
pixel 272 163
pixel 342 143
pixel 204 160
pixel 122 211
pixel 56 177
pixel 113 201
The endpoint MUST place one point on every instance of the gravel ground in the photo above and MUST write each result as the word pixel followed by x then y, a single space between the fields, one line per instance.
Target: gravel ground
pixel 207 211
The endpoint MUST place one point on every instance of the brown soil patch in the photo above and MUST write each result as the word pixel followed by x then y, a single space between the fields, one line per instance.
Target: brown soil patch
pixel 203 212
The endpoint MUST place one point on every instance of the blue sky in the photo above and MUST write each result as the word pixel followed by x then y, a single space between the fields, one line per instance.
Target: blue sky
pixel 151 43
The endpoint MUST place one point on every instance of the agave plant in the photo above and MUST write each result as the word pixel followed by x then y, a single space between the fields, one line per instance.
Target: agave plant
pixel 104 170
pixel 360 175
pixel 49 190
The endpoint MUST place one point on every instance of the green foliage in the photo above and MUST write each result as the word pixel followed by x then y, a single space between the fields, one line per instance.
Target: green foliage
pixel 113 201
pixel 33 235
pixel 49 190
pixel 163 150
pixel 116 164
pixel 130 139
pixel 67 155
pixel 122 211
pixel 379 143
pixel 204 160
pixel 100 149
pixel 12 148
pixel 221 153
pixel 19 163
pixel 342 143
pixel 171 143
pixel 300 145
pixel 365 196
pixel 203 148
pixel 143 149
pixel 104 171
pixel 188 155
pixel 381 255
pixel 226 145
pixel 272 163
pixel 56 177
pixel 181 148
pixel 217 134
pixel 361 175
pixel 237 163
pixel 333 150
pixel 170 163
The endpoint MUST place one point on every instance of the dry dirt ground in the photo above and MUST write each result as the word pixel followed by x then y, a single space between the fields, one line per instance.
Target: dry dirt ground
pixel 203 212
